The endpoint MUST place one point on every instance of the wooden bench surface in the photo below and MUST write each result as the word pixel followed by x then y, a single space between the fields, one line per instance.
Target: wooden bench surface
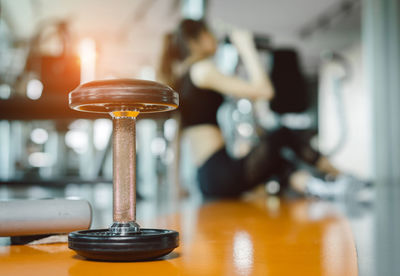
pixel 263 236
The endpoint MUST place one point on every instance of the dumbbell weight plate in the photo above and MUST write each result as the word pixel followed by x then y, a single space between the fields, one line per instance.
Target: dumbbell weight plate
pixel 101 244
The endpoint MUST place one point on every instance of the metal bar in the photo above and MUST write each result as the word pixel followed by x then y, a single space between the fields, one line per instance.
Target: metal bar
pixel 124 169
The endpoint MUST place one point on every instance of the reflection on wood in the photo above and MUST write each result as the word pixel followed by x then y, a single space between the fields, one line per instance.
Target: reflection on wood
pixel 264 236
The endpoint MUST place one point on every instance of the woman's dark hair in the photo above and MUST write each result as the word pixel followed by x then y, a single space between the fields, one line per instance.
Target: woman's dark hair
pixel 176 48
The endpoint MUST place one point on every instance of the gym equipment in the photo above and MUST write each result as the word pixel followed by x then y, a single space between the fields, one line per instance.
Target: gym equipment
pixel 45 216
pixel 124 100
pixel 291 95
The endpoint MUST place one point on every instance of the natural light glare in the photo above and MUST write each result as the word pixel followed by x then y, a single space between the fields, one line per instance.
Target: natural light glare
pixel 40 159
pixel 272 187
pixel 158 146
pixel 245 129
pixel 147 73
pixel 34 89
pixel 39 136
pixel 243 252
pixel 77 140
pixel 87 54
pixel 244 106
pixel 102 129
pixel 5 91
pixel 170 128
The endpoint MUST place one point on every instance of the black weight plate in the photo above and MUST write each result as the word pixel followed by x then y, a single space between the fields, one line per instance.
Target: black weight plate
pixel 103 245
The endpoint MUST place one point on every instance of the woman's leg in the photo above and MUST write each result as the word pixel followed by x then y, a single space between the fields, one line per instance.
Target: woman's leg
pixel 325 166
pixel 298 181
pixel 305 152
pixel 266 160
pixel 223 176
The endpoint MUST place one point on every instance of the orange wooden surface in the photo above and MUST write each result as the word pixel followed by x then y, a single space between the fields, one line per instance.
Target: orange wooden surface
pixel 257 237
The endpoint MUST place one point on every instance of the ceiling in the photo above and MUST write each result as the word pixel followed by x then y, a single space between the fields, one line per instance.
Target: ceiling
pixel 284 21
pixel 128 32
pixel 283 17
pixel 94 17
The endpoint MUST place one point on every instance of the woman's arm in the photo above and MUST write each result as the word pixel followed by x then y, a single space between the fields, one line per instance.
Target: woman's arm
pixel 205 74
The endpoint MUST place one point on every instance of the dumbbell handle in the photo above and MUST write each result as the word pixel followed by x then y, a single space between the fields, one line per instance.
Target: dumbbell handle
pixel 46 216
pixel 124 169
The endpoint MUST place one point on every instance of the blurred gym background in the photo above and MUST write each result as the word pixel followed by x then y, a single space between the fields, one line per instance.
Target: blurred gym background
pixel 49 47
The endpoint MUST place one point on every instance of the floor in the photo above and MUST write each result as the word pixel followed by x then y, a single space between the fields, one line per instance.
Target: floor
pixel 230 233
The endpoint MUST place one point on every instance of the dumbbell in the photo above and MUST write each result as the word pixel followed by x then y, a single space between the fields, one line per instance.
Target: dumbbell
pixel 124 100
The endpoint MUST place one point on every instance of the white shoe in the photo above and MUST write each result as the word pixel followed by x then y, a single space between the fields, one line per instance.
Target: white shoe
pixel 344 187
